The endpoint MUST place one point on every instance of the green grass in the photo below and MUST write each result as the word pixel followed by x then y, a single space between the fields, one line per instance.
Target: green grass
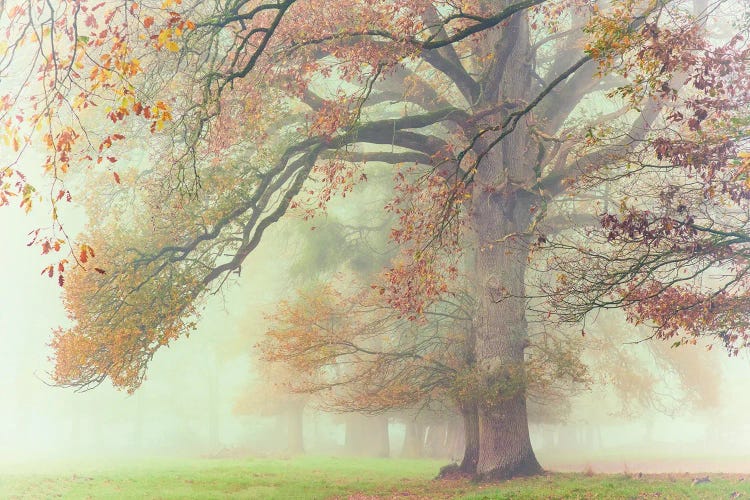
pixel 359 479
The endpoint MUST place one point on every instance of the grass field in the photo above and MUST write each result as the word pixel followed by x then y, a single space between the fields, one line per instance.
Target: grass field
pixel 356 479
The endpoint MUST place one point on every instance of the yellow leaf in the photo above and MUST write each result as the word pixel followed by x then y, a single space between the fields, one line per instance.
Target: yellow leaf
pixel 163 37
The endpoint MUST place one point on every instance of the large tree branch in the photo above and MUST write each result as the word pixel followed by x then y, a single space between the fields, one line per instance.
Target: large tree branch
pixel 482 24
pixel 279 185
pixel 456 72
pixel 256 226
pixel 509 123
pixel 555 182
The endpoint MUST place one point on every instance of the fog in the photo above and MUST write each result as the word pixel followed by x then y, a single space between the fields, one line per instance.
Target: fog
pixel 206 395
pixel 198 398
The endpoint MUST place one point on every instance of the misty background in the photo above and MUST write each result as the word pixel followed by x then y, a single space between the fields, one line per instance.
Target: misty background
pixel 205 396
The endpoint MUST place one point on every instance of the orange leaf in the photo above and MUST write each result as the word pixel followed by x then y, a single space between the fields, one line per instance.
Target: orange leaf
pixel 148 22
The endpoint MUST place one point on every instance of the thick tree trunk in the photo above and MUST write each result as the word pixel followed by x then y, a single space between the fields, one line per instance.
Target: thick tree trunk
pixel 505 446
pixel 502 204
pixel 470 416
pixel 506 449
pixel 470 444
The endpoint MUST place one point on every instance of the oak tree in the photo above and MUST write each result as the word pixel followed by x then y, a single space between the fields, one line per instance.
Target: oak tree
pixel 489 114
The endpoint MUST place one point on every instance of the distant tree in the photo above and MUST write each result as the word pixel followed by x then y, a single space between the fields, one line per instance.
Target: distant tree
pixel 269 395
pixel 648 376
pixel 490 114
pixel 359 355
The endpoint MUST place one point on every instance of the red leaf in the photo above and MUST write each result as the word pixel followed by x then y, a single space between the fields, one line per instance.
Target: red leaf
pixel 100 270
pixel 117 177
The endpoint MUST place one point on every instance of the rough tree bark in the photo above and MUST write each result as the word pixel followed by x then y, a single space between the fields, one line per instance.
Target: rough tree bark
pixel 501 208
pixel 505 446
pixel 470 414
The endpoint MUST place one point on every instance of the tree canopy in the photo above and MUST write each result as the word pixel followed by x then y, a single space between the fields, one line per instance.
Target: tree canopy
pixel 600 144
